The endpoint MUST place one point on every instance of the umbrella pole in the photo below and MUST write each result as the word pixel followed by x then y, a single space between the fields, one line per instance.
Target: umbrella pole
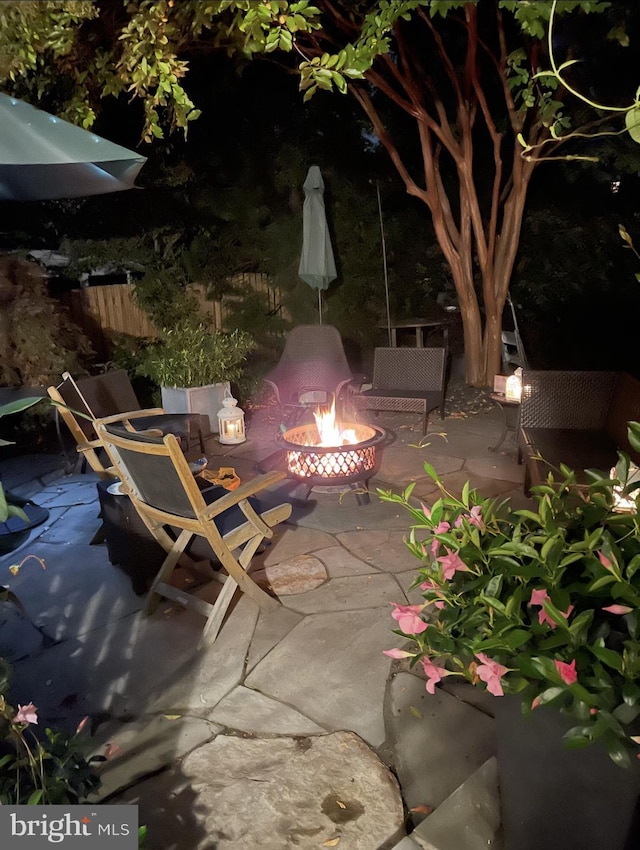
pixel 384 262
pixel 320 304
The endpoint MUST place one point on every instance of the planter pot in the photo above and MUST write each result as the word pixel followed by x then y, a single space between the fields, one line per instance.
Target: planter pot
pixel 553 797
pixel 15 530
pixel 204 400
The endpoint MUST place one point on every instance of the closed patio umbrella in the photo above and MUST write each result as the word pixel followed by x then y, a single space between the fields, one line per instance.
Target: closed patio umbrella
pixel 317 265
pixel 43 157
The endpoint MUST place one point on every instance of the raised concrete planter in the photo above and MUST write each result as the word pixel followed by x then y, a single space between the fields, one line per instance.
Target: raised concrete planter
pixel 205 400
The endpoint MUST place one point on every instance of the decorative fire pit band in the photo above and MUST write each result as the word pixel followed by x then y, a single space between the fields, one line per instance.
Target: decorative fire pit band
pixel 332 465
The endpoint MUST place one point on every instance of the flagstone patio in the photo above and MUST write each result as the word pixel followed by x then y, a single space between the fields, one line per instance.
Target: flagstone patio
pixel 292 729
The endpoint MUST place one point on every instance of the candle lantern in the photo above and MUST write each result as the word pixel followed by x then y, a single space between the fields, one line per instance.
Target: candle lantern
pixel 513 389
pixel 231 421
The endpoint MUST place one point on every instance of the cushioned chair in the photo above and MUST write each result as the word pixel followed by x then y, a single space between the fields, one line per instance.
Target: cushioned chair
pixel 81 402
pixel 164 491
pixel 312 369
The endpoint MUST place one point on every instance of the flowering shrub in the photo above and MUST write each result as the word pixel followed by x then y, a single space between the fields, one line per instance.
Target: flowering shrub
pixel 543 603
pixel 35 770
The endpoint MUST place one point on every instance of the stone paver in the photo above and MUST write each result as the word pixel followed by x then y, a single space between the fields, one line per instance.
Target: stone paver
pixel 271 628
pixel 335 513
pixel 469 819
pixel 384 550
pixel 68 493
pixel 331 668
pixel 296 541
pixel 79 521
pixel 345 594
pixel 297 575
pixel 146 745
pixel 340 562
pixel 438 740
pixel 273 794
pixel 215 669
pixel 250 711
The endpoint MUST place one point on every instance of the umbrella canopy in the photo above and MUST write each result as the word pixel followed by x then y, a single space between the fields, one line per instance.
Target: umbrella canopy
pixel 43 157
pixel 317 265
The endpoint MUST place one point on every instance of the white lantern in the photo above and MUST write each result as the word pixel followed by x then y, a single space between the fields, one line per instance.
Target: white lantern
pixel 231 421
pixel 513 389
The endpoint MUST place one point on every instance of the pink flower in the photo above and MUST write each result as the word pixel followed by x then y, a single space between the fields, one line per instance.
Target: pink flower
pixel 408 620
pixel 618 609
pixel 535 703
pixel 567 671
pixel 425 510
pixel 434 674
pixel 441 528
pixel 429 584
pixel 111 749
pixel 537 598
pixel 491 672
pixel 81 725
pixel 451 563
pixel 474 517
pixel 26 714
pixel 604 560
pixel 398 653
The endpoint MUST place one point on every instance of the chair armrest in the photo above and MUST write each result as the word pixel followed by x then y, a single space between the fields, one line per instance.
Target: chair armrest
pixel 250 488
pixel 136 414
pixel 132 414
pixel 89 445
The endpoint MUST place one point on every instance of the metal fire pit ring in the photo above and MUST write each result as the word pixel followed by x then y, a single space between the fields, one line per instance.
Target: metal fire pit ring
pixel 326 466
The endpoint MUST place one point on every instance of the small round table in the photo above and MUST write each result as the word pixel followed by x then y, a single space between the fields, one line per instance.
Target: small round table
pixel 510 408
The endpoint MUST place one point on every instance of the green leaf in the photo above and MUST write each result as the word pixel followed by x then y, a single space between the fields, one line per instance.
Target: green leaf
pixel 35 798
pixel 632 123
pixel 608 657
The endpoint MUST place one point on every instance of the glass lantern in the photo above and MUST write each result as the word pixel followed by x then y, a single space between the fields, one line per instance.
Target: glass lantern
pixel 231 421
pixel 513 388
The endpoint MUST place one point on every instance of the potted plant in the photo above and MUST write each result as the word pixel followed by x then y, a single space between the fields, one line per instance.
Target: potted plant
pixel 544 604
pixel 194 366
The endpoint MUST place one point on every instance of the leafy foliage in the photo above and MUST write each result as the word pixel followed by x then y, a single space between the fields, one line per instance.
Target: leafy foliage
pixel 544 603
pixel 189 354
pixel 37 340
pixel 477 77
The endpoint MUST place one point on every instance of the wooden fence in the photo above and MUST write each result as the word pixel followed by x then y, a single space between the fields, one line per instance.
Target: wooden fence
pixel 103 311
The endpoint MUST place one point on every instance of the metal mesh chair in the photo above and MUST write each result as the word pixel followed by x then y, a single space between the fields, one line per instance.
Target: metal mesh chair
pixel 312 368
pixel 163 490
pixel 407 380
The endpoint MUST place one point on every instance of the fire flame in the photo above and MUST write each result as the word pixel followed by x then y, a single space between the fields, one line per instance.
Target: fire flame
pixel 330 432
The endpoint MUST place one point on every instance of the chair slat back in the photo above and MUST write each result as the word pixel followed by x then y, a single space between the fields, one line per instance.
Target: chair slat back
pixel 156 474
pixel 415 369
pixel 108 394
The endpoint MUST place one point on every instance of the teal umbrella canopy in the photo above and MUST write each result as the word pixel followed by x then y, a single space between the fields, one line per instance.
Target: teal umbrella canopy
pixel 317 264
pixel 43 157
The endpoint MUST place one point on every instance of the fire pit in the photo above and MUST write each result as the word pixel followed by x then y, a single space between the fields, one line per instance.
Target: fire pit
pixel 329 454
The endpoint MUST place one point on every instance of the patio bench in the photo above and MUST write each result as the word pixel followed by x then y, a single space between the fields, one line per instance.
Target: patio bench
pixel 407 380
pixel 576 418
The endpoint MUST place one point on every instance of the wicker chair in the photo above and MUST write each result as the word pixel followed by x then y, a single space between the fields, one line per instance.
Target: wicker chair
pixel 312 369
pixel 576 418
pixel 164 492
pixel 407 380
